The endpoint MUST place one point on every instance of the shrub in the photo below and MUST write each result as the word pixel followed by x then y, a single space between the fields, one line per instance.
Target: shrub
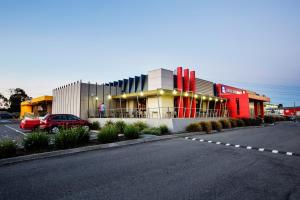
pixel 164 129
pixel 247 121
pixel 240 123
pixel 109 123
pixel 233 122
pixel 36 141
pixel 108 134
pixel 257 121
pixel 216 126
pixel 225 123
pixel 140 125
pixel 131 132
pixel 194 127
pixel 8 148
pixel 69 138
pixel 206 126
pixel 152 131
pixel 120 126
pixel 269 119
pixel 95 125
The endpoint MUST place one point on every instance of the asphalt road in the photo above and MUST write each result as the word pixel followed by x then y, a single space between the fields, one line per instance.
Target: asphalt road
pixel 172 169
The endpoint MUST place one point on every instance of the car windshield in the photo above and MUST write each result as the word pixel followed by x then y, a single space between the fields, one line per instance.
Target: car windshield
pixel 44 117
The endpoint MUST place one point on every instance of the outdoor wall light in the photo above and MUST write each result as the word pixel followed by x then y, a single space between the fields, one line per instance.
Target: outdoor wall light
pixel 186 94
pixel 221 100
pixel 142 94
pixel 161 92
pixel 210 98
pixel 196 96
pixel 203 97
pixel 174 92
pixel 124 96
pixel 216 100
pixel 109 97
pixel 97 98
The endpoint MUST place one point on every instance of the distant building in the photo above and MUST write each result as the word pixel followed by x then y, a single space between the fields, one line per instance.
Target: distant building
pixel 39 106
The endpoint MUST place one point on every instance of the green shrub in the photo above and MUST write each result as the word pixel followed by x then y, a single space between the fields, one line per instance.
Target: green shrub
pixel 69 138
pixel 216 126
pixel 194 127
pixel 8 148
pixel 225 123
pixel 163 129
pixel 36 141
pixel 240 123
pixel 152 131
pixel 95 126
pixel 206 126
pixel 140 125
pixel 269 119
pixel 131 132
pixel 120 126
pixel 257 121
pixel 109 123
pixel 108 134
pixel 247 121
pixel 233 122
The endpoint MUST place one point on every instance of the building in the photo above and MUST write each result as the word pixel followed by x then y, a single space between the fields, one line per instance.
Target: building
pixel 291 111
pixel 175 98
pixel 39 106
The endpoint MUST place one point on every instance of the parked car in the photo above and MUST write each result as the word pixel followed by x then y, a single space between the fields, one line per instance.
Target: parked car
pixel 53 122
pixel 30 124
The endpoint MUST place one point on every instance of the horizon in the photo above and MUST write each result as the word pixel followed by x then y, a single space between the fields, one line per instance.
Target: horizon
pixel 254 45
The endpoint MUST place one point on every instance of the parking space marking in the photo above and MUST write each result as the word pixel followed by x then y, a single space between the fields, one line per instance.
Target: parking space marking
pixel 15 130
pixel 274 151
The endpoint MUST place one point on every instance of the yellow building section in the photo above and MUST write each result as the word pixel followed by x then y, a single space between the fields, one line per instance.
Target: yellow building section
pixel 35 106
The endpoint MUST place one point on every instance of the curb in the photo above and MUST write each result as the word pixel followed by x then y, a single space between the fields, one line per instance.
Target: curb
pixel 59 153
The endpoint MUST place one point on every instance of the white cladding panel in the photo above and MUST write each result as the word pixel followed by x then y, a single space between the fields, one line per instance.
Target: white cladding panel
pixel 160 78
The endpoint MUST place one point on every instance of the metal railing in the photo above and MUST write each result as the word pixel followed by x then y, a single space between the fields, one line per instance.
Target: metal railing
pixel 162 112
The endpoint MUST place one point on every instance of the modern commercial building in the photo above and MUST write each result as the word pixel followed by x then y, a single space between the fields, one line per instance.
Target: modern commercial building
pixel 158 95
pixel 292 111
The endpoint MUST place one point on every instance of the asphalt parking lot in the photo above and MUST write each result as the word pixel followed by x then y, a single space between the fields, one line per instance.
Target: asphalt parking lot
pixel 10 129
pixel 171 169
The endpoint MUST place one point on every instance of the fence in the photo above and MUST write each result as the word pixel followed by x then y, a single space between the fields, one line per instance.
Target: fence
pixel 162 112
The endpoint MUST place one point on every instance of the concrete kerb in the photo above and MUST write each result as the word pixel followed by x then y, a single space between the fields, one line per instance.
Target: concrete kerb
pixel 58 153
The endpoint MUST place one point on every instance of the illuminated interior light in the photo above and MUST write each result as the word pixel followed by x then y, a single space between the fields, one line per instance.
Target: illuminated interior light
pixel 216 100
pixel 109 96
pixel 186 94
pixel 204 97
pixel 142 93
pixel 196 96
pixel 210 98
pixel 97 98
pixel 174 92
pixel 124 96
pixel 161 92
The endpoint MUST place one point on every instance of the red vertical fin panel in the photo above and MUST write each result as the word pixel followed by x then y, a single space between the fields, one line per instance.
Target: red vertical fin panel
pixel 186 89
pixel 180 89
pixel 193 89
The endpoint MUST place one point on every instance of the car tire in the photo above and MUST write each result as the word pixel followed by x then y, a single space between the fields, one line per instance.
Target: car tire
pixel 86 128
pixel 54 130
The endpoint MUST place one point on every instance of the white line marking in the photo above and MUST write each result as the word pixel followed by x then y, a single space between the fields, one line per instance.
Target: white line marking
pixel 218 142
pixel 261 149
pixel 274 151
pixel 237 146
pixel 15 129
pixel 289 153
pixel 209 141
pixel 248 147
pixel 201 140
pixel 194 139
pixel 227 144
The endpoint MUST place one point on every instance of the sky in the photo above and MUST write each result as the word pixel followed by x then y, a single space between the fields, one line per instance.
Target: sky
pixel 254 44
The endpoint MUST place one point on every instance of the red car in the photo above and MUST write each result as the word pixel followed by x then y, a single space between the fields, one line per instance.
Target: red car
pixel 53 122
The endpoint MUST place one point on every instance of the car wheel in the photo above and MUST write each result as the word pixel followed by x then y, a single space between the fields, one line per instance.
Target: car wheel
pixel 86 128
pixel 55 130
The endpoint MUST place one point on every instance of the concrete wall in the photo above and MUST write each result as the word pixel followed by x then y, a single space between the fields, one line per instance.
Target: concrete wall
pixel 160 78
pixel 174 125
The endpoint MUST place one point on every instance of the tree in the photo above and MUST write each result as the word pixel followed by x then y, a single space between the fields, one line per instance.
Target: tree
pixel 17 96
pixel 3 102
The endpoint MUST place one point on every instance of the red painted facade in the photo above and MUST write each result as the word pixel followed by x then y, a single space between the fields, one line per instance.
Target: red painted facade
pixel 193 89
pixel 180 89
pixel 291 111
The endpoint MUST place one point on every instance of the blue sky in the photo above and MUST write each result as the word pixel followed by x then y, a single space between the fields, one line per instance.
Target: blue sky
pixel 253 44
